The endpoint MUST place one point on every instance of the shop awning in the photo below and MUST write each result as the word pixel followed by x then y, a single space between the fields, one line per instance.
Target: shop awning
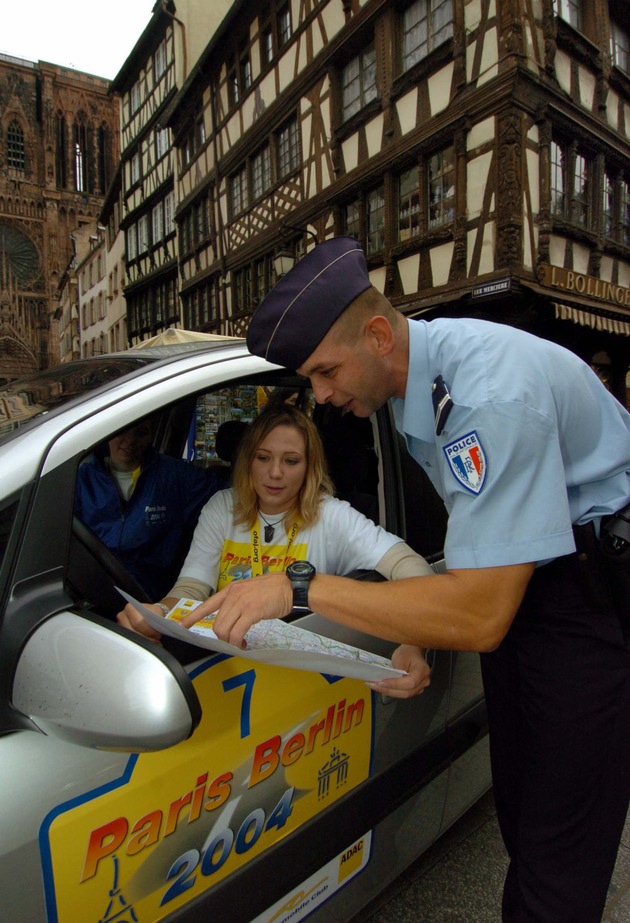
pixel 590 319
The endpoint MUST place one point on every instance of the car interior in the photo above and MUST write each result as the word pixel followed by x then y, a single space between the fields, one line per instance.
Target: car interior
pixel 205 429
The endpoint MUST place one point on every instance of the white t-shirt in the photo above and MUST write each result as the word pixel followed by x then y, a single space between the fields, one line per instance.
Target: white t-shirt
pixel 342 540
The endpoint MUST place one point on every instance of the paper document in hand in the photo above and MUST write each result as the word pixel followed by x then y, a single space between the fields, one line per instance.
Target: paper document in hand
pixel 273 641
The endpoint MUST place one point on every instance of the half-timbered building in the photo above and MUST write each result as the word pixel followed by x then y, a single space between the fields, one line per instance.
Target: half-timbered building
pixel 478 149
pixel 148 81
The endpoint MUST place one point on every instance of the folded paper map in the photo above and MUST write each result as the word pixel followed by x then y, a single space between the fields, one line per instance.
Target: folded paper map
pixel 273 641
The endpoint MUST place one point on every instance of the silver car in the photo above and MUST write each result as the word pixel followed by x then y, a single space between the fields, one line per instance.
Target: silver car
pixel 144 783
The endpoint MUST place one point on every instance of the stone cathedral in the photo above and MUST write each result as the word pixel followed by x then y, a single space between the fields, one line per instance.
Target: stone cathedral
pixel 58 152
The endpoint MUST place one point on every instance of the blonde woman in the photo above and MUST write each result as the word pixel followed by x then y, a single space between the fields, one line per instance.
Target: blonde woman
pixel 279 510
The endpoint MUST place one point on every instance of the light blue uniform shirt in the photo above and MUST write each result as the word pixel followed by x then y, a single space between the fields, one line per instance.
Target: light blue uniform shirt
pixel 533 444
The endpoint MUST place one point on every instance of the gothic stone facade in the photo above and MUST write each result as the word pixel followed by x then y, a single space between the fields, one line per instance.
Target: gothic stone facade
pixel 58 151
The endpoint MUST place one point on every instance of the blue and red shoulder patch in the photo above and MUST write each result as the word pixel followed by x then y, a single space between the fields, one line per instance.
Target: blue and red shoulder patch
pixel 467 461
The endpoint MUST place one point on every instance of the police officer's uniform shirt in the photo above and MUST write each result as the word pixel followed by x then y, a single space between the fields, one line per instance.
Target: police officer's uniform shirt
pixel 533 443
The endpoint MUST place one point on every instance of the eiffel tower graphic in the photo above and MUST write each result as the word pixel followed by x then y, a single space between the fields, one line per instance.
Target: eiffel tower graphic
pixel 118 910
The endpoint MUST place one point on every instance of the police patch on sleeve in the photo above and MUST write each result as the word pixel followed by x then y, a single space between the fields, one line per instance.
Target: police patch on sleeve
pixel 467 461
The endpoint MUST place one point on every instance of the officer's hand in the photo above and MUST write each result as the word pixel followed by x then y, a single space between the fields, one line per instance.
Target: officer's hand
pixel 242 604
pixel 417 678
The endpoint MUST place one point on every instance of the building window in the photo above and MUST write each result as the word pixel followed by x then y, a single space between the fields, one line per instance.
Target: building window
pixel 135 168
pixel 134 98
pixel 288 147
pixel 441 187
pixel 426 24
pixel 284 25
pixel 60 153
pixel 159 61
pixel 625 213
pixel 238 186
pixel 162 142
pixel 409 204
pixel 242 290
pixel 570 10
pixel 375 206
pixel 143 234
pixel 15 146
pixel 352 219
pixel 261 172
pixel 608 206
pixel 358 82
pixel 569 184
pixel 80 157
pixel 169 214
pixel 244 68
pixel 266 45
pixel 157 218
pixel 620 47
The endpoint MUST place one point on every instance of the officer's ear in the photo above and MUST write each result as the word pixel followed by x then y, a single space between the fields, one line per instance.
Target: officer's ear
pixel 379 332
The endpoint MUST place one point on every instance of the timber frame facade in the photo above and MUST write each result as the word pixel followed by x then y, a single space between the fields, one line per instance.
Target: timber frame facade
pixel 478 149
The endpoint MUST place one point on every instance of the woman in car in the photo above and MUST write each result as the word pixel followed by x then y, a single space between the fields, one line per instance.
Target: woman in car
pixel 281 510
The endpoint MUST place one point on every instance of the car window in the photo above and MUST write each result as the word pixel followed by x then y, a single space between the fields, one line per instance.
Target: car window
pixel 7 518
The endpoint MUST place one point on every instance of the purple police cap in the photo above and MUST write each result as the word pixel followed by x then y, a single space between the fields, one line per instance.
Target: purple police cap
pixel 290 323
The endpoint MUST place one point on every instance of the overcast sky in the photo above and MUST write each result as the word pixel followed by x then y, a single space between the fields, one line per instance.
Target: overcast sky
pixel 84 34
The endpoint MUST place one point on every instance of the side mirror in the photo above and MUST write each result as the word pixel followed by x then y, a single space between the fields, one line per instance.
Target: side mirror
pixel 89 683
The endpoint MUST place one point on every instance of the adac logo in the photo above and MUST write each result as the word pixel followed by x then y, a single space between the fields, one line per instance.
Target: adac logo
pixel 467 460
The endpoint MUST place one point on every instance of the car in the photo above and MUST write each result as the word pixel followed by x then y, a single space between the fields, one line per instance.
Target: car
pixel 144 782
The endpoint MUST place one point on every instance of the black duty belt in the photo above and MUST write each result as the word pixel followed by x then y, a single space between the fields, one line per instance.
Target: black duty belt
pixel 615 532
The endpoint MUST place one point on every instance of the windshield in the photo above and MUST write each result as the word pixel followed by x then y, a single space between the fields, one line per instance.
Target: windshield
pixel 22 401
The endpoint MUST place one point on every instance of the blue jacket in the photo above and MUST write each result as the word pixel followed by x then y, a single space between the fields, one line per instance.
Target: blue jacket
pixel 145 532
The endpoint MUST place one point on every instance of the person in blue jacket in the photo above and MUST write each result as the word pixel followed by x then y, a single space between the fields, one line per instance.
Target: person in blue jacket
pixel 142 505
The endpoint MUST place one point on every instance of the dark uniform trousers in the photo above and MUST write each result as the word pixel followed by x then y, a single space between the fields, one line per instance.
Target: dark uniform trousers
pixel 558 695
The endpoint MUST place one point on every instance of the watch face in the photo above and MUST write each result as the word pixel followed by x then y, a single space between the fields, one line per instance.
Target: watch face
pixel 300 570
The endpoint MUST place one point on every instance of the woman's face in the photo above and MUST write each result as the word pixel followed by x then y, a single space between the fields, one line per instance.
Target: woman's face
pixel 126 450
pixel 278 469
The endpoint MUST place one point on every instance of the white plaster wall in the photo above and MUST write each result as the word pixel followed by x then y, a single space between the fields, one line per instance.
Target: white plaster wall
pixel 481 133
pixel 476 182
pixel 377 278
pixel 557 249
pixel 580 258
pixel 489 66
pixel 350 148
pixel 440 89
pixel 408 268
pixel 606 269
pixel 563 70
pixel 374 135
pixel 612 109
pixel 406 107
pixel 441 258
pixel 587 89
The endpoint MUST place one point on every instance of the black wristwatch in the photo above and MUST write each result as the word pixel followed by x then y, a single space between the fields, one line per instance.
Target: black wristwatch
pixel 300 573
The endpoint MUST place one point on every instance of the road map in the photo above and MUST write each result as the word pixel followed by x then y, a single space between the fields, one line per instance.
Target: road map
pixel 274 641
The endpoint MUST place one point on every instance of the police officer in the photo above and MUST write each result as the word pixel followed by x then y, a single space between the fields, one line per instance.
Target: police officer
pixel 531 455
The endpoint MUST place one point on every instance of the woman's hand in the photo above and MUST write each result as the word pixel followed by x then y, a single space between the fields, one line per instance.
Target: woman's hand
pixel 417 678
pixel 131 618
pixel 242 604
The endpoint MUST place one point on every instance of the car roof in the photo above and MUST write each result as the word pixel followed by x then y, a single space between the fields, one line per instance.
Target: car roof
pixel 91 386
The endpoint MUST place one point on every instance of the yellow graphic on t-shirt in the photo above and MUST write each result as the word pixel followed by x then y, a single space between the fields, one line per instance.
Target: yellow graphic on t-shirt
pixel 236 560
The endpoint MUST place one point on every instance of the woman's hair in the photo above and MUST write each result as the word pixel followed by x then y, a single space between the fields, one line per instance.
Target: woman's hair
pixel 316 481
